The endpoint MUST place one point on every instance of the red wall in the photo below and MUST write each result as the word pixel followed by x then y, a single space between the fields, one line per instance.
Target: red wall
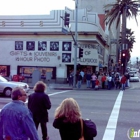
pixel 101 18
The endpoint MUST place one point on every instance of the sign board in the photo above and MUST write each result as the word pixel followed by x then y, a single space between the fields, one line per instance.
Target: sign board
pixel 90 53
pixel 64 30
pixel 90 57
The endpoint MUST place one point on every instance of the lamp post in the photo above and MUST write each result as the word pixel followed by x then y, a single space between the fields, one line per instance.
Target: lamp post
pixel 75 44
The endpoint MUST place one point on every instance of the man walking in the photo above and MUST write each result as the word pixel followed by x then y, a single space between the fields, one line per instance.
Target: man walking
pixel 39 103
pixel 123 81
pixel 16 121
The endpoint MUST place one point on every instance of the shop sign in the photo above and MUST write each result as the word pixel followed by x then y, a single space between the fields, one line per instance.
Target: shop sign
pixel 25 56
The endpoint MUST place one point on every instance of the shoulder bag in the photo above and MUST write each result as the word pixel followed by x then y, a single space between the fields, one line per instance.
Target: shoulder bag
pixel 82 130
pixel 90 130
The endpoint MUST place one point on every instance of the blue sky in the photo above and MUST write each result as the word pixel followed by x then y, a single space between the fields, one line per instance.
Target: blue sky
pixel 42 7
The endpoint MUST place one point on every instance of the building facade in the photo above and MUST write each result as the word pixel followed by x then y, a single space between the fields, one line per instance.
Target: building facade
pixel 27 42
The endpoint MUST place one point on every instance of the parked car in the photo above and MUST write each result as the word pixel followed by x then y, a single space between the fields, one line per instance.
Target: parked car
pixel 134 77
pixel 7 86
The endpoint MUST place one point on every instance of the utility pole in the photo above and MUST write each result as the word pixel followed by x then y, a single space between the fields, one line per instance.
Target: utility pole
pixel 75 44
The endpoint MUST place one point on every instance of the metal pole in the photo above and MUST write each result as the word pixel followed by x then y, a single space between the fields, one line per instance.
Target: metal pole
pixel 75 44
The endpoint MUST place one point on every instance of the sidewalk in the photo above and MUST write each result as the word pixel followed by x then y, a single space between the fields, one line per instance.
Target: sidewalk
pixel 65 86
pixel 59 86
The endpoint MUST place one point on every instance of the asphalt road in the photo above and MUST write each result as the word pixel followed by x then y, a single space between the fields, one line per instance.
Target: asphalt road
pixel 113 111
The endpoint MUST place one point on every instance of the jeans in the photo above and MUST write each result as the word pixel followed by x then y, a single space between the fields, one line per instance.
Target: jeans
pixel 79 84
pixel 123 86
pixel 93 84
pixel 103 85
pixel 109 85
pixel 88 83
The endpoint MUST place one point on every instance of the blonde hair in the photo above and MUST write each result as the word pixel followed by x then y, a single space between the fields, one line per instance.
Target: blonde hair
pixel 69 109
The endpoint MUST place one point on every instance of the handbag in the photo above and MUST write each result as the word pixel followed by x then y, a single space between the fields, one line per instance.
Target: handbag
pixel 90 129
pixel 82 130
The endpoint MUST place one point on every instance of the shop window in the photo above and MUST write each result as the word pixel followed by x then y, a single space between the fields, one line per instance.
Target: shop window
pixel 27 71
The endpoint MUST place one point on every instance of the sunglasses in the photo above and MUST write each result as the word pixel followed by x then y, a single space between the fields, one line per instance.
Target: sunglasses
pixel 24 94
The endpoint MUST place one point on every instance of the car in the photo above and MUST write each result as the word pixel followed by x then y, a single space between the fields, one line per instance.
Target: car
pixel 7 86
pixel 134 77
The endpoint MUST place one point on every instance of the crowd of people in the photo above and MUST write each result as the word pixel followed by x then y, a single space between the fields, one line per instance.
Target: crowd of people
pixel 20 122
pixel 99 80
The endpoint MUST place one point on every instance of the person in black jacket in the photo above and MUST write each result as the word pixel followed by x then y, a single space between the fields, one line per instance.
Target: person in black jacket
pixel 39 103
pixel 67 120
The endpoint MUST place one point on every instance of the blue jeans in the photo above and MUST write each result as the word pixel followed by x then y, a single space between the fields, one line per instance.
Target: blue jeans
pixel 79 84
pixel 109 85
pixel 123 86
pixel 88 83
pixel 93 84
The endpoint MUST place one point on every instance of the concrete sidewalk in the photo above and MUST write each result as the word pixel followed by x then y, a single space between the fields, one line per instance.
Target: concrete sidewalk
pixel 65 86
pixel 58 86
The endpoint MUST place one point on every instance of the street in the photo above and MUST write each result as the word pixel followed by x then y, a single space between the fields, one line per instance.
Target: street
pixel 113 111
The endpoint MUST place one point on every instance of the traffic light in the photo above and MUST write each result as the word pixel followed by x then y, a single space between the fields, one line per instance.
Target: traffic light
pixel 123 57
pixel 80 52
pixel 67 19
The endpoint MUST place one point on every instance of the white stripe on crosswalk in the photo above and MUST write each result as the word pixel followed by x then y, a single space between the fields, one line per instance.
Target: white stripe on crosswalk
pixel 55 93
pixel 112 122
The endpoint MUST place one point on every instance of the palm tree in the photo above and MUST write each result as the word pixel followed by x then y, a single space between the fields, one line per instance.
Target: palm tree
pixel 121 10
pixel 130 39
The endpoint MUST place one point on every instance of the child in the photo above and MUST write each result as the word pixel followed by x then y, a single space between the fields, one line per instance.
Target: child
pixel 97 83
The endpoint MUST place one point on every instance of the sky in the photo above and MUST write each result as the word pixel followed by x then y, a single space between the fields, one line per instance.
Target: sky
pixel 43 7
pixel 33 7
pixel 131 24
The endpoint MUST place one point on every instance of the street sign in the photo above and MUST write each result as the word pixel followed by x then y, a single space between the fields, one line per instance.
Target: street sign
pixel 65 31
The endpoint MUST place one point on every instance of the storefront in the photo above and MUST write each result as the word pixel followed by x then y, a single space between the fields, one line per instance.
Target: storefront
pixel 38 41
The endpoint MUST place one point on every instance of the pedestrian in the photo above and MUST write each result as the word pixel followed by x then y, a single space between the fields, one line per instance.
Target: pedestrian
pixel 39 103
pixel 117 81
pixel 127 77
pixel 16 122
pixel 70 78
pixel 93 78
pixel 100 80
pixel 123 81
pixel 103 79
pixel 79 80
pixel 88 78
pixel 82 74
pixel 67 119
pixel 97 83
pixel 109 80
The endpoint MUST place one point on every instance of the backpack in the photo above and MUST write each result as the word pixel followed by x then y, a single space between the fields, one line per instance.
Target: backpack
pixel 90 130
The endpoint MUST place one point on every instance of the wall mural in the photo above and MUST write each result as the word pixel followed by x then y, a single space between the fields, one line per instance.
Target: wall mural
pixel 30 45
pixel 66 57
pixel 54 46
pixel 42 46
pixel 66 46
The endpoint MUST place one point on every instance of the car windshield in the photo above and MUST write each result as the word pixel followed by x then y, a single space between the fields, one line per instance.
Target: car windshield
pixel 132 72
pixel 2 79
